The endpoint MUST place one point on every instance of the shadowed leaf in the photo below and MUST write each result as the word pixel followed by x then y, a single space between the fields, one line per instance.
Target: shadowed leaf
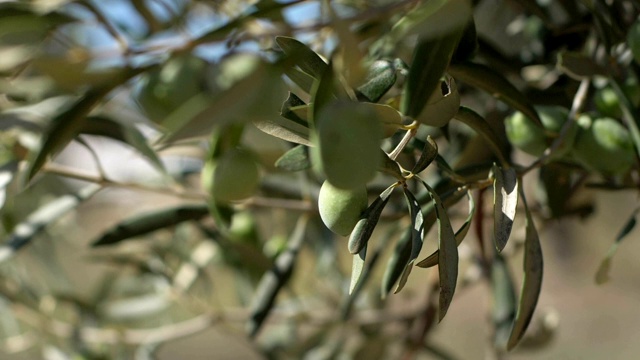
pixel 480 126
pixel 295 159
pixel 305 58
pixel 368 221
pixel 504 300
pixel 397 262
pixel 417 236
pixel 428 154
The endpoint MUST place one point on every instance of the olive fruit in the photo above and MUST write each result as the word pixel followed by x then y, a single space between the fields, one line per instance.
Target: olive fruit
pixel 233 176
pixel 524 134
pixel 340 209
pixel 167 88
pixel 347 143
pixel 607 102
pixel 442 105
pixel 603 145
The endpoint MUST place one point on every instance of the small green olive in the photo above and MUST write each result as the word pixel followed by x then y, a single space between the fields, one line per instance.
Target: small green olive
pixel 524 134
pixel 604 145
pixel 340 209
pixel 234 176
pixel 607 103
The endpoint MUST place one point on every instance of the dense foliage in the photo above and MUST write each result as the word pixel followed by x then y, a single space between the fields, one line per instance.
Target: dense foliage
pixel 282 136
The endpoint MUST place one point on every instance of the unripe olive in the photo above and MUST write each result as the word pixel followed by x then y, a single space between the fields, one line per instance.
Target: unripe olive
pixel 442 105
pixel 524 134
pixel 233 176
pixel 603 145
pixel 340 209
pixel 607 103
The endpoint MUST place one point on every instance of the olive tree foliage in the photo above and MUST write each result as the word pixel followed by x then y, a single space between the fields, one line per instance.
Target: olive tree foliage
pixel 394 123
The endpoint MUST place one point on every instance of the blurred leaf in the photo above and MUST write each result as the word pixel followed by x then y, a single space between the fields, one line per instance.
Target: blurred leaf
pixel 631 113
pixel 489 80
pixel 20 23
pixel 357 267
pixel 505 202
pixel 602 275
pixel 287 110
pixel 532 281
pixel 468 44
pixel 276 278
pixel 397 262
pixel 13 56
pixel 447 253
pixel 26 230
pixel 7 172
pixel 504 301
pixel 65 126
pixel 578 66
pixel 255 98
pixel 302 56
pixel 122 131
pixel 480 126
pixel 555 179
pixel 380 78
pixel 303 80
pixel 349 57
pixel 431 20
pixel 295 159
pixel 145 223
pixel 428 154
pixel 417 236
pixel 430 60
pixel 368 220
pixel 390 118
pixel 432 260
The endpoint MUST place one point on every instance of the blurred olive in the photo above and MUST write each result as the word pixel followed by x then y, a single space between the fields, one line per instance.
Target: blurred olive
pixel 340 209
pixel 233 176
pixel 525 135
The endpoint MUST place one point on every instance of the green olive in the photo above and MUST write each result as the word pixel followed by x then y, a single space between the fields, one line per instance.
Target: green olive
pixel 442 105
pixel 524 134
pixel 604 145
pixel 234 176
pixel 607 103
pixel 166 89
pixel 340 209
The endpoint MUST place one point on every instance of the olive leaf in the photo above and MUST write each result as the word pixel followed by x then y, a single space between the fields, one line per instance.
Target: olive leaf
pixel 305 58
pixel 630 111
pixel 380 78
pixel 432 260
pixel 397 262
pixel 480 126
pixel 357 267
pixel 432 19
pixel 124 132
pixel 303 80
pixel 294 159
pixel 487 79
pixel 389 166
pixel 602 275
pixel 151 221
pixel 272 282
pixel 428 154
pixel 447 253
pixel 7 173
pixel 417 236
pixel 578 66
pixel 532 281
pixel 504 300
pixel 24 232
pixel 290 126
pixel 505 202
pixel 368 220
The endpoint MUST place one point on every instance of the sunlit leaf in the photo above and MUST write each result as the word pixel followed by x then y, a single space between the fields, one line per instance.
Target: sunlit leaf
pixel 532 281
pixel 380 78
pixel 505 202
pixel 489 80
pixel 357 267
pixel 602 275
pixel 148 222
pixel 7 172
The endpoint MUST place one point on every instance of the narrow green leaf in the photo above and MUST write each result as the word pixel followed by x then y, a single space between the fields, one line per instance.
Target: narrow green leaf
pixel 368 220
pixel 357 268
pixel 430 60
pixel 532 282
pixel 380 78
pixel 295 159
pixel 432 260
pixel 578 66
pixel 305 58
pixel 480 126
pixel 487 79
pixel 429 153
pixel 273 281
pixel 447 253
pixel 504 301
pixel 417 236
pixel 26 230
pixel 602 275
pixel 7 172
pixel 397 262
pixel 303 80
pixel 285 129
pixel 631 114
pixel 389 166
pixel 505 202
pixel 124 132
pixel 151 221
